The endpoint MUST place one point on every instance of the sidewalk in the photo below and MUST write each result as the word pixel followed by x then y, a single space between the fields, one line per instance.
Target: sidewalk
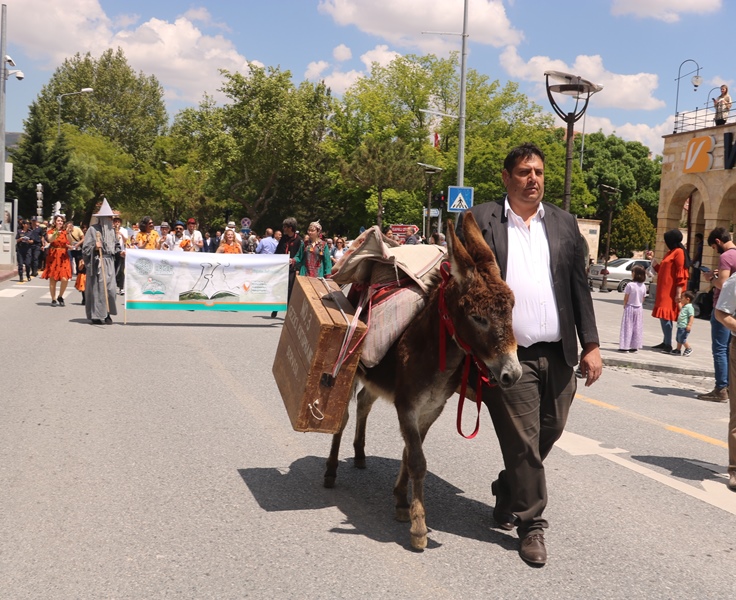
pixel 608 311
pixel 7 272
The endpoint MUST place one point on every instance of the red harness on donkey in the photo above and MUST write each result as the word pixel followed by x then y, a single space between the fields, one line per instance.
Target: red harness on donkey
pixel 484 376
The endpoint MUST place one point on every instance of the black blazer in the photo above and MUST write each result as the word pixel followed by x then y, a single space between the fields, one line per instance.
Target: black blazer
pixel 568 260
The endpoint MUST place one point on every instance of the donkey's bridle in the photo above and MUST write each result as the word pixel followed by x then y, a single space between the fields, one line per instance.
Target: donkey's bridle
pixel 447 327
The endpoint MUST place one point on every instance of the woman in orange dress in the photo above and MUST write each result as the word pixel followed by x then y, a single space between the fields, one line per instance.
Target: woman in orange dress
pixel 229 244
pixel 58 265
pixel 672 275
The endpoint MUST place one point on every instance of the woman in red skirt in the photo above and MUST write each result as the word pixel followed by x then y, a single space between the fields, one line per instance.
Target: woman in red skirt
pixel 58 265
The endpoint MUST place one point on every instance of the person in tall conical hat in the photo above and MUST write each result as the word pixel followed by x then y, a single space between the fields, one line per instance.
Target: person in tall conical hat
pixel 98 253
pixel 104 211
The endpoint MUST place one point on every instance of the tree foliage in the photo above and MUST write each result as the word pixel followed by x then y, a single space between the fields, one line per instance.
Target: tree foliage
pixel 36 160
pixel 631 230
pixel 125 107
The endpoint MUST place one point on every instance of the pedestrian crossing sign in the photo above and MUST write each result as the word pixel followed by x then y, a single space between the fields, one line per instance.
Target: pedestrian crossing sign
pixel 459 198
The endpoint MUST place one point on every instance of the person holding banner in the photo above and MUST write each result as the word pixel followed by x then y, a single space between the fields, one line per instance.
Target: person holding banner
pixel 98 252
pixel 229 245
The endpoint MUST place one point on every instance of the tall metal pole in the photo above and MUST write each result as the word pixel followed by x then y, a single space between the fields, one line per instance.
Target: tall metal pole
pixel 3 79
pixel 461 134
pixel 568 161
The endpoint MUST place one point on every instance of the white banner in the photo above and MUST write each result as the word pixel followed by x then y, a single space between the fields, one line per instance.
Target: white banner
pixel 164 280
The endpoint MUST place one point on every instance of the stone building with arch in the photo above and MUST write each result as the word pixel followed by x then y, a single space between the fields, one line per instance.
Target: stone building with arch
pixel 698 187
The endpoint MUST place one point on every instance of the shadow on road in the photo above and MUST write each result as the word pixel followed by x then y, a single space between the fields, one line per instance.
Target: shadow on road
pixel 684 468
pixel 667 391
pixel 365 498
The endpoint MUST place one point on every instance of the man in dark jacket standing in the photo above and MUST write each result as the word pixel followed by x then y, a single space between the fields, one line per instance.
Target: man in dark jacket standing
pixel 290 243
pixel 542 258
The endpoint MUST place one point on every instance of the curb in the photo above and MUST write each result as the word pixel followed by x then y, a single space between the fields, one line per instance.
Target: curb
pixel 5 275
pixel 629 364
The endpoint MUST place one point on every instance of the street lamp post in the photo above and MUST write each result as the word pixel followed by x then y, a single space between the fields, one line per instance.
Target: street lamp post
pixel 580 89
pixel 696 80
pixel 608 191
pixel 86 90
pixel 429 170
pixel 461 111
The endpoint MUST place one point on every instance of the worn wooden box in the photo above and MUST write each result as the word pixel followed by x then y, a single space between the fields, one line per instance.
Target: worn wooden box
pixel 308 349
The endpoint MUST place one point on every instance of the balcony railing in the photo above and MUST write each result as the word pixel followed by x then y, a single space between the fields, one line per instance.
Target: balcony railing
pixel 700 118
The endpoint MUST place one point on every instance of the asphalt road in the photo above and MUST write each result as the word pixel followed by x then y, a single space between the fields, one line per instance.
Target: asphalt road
pixel 155 460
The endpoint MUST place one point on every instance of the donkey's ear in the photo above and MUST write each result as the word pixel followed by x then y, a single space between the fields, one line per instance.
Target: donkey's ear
pixel 463 267
pixel 475 244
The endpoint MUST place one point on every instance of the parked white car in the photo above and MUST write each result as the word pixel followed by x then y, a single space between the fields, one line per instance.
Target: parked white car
pixel 619 273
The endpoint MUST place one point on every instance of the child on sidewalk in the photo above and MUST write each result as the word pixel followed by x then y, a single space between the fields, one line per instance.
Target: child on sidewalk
pixel 632 322
pixel 685 323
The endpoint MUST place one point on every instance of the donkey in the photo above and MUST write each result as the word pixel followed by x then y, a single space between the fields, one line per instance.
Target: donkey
pixel 479 305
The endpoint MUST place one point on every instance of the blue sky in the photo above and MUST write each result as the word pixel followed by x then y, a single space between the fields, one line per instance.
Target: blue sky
pixel 634 48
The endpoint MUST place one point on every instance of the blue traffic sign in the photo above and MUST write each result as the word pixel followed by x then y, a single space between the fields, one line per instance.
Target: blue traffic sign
pixel 459 198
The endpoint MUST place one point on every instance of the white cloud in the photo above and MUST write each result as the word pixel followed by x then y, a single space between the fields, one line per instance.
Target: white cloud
pixel 650 136
pixel 315 69
pixel 338 81
pixel 183 58
pixel 342 53
pixel 669 11
pixel 401 22
pixel 632 92
pixel 380 54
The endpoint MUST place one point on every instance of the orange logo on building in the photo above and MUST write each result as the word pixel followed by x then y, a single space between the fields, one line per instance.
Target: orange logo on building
pixel 699 154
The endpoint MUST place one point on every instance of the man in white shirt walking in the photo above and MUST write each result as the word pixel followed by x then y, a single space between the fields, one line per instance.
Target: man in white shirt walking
pixel 542 258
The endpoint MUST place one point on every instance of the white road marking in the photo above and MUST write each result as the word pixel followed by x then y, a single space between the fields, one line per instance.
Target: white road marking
pixel 712 492
pixel 10 293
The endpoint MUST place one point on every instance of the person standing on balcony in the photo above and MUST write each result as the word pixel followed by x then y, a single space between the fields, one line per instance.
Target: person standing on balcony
pixel 722 105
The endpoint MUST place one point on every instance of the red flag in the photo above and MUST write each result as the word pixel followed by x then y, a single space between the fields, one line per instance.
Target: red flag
pixel 436 140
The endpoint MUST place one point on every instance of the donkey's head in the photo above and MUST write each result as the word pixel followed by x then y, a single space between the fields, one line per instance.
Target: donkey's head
pixel 480 303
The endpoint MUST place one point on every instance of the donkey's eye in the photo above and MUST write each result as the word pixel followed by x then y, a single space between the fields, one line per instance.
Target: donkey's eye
pixel 482 321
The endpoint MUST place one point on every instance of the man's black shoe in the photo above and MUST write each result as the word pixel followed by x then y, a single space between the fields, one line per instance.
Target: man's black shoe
pixel 96 322
pixel 274 313
pixel 60 301
pixel 108 320
pixel 661 346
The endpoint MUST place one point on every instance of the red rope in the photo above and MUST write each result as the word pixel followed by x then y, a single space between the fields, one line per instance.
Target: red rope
pixel 447 327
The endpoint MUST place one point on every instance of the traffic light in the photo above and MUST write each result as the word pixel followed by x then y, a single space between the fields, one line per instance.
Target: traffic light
pixel 439 199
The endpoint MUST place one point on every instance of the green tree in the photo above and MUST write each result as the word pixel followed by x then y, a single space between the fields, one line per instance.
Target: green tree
pixel 267 154
pixel 125 107
pixel 624 165
pixel 37 160
pixel 631 230
pixel 378 165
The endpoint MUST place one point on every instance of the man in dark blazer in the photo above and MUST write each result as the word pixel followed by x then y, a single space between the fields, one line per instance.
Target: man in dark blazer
pixel 542 258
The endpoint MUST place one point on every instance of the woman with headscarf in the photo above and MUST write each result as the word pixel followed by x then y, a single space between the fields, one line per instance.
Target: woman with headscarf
pixel 314 259
pixel 672 274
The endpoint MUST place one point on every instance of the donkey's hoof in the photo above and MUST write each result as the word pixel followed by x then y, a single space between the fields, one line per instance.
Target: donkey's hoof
pixel 359 462
pixel 418 542
pixel 402 515
pixel 329 481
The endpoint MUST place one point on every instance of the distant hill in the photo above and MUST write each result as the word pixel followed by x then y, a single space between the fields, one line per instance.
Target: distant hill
pixel 11 139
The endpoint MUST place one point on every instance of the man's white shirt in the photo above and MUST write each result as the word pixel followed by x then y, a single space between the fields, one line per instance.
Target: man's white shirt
pixel 528 274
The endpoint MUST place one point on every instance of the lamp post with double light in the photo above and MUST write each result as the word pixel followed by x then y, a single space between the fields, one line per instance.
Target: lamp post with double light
pixel 580 89
pixel 696 80
pixel 86 90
